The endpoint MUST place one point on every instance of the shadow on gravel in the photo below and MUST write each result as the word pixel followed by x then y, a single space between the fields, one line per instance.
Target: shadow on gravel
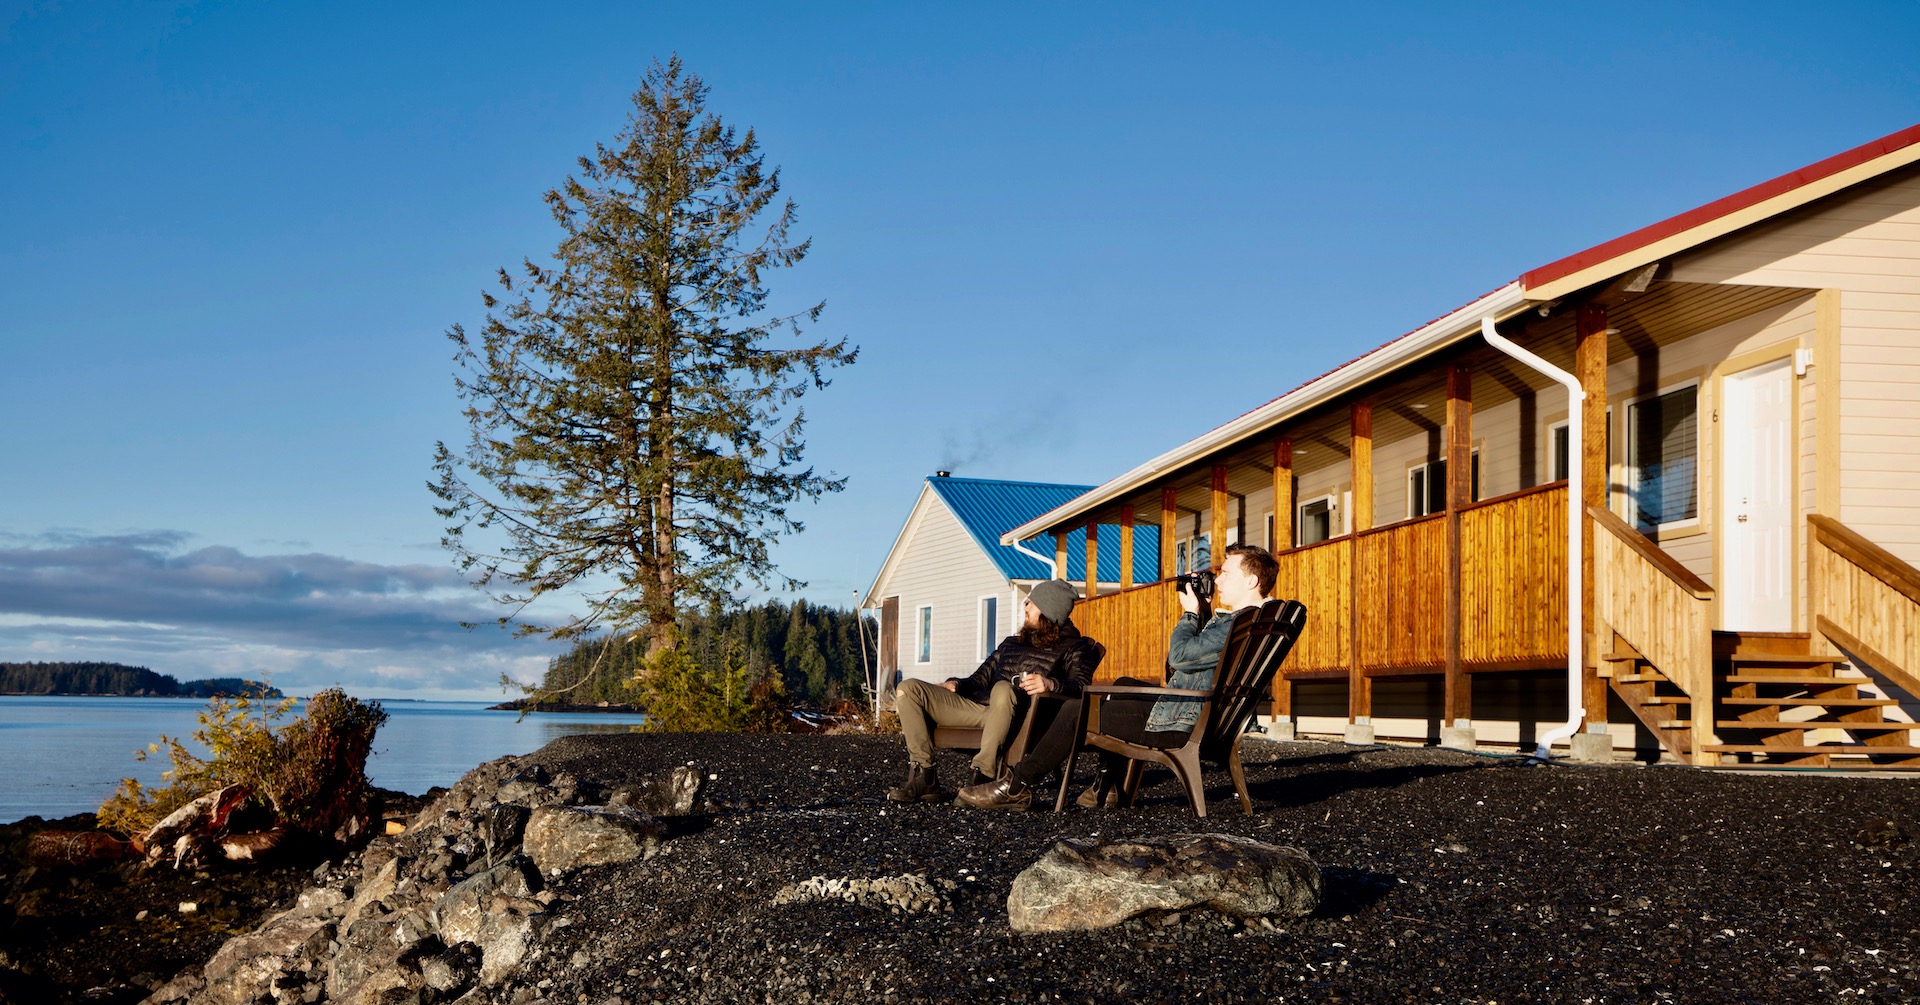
pixel 692 823
pixel 1348 891
pixel 1302 790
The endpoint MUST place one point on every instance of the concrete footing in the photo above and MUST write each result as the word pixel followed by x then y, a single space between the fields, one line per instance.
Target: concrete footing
pixel 1359 734
pixel 1458 737
pixel 1591 747
pixel 1280 732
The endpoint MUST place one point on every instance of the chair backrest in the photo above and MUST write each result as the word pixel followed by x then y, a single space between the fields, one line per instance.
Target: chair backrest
pixel 1260 640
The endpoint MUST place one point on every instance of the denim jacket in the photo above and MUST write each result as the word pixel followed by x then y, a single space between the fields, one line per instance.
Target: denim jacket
pixel 1193 654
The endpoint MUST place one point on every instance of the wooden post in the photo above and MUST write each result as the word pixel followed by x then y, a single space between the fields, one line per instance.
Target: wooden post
pixel 1359 686
pixel 1282 495
pixel 1126 547
pixel 1093 557
pixel 1217 540
pixel 1459 689
pixel 1060 555
pixel 1169 520
pixel 1590 365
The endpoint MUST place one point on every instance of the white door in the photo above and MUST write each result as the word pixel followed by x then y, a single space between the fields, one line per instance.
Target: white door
pixel 1756 505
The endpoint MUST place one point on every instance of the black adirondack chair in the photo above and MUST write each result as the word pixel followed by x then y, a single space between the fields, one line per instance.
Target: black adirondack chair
pixel 1260 640
pixel 1030 722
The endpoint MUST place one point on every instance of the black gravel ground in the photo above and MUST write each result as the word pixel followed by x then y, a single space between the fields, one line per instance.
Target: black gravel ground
pixel 1450 877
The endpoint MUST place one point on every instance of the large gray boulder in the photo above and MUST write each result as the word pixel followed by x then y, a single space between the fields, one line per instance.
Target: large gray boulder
pixel 460 912
pixel 674 793
pixel 566 838
pixel 1085 884
pixel 250 965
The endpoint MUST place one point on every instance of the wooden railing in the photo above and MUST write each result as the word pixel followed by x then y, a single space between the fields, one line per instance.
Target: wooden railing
pixel 1662 610
pixel 1319 576
pixel 1864 599
pixel 1403 594
pixel 1133 625
pixel 1514 605
pixel 1513 571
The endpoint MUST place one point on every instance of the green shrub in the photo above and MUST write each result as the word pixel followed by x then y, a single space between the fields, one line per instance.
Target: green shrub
pixel 681 696
pixel 311 772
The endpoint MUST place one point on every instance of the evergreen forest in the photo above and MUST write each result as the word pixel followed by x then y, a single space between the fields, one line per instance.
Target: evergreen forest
pixel 813 650
pixel 120 679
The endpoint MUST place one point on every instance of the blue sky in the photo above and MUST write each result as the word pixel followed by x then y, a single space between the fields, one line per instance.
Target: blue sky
pixel 232 236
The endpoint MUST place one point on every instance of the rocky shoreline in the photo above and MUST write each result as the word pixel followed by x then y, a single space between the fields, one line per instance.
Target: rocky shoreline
pixel 773 871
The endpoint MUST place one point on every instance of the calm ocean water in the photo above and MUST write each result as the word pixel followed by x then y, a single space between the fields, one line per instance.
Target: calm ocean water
pixel 60 756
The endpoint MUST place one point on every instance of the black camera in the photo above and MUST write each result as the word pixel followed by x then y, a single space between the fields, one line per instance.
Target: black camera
pixel 1200 584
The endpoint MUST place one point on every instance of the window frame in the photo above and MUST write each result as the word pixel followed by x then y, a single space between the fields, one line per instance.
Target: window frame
pixel 1425 470
pixel 987 626
pixel 1300 519
pixel 1630 470
pixel 923 635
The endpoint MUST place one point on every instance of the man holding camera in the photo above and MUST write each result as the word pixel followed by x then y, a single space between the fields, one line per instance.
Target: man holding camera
pixel 1245 579
pixel 1047 656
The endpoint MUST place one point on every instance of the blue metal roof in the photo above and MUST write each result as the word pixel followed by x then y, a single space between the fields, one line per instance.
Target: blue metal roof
pixel 989 507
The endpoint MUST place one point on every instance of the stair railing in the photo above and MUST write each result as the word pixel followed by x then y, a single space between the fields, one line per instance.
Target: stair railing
pixel 1663 611
pixel 1865 600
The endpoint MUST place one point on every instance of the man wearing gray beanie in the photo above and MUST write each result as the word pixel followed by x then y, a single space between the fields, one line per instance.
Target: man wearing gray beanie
pixel 1047 656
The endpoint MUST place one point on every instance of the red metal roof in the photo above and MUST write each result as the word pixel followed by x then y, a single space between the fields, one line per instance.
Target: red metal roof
pixel 1721 207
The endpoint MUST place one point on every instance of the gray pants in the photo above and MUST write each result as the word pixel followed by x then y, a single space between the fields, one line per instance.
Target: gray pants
pixel 923 706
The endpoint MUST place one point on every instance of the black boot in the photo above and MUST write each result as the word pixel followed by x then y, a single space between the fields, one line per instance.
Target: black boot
pixel 922 786
pixel 1006 793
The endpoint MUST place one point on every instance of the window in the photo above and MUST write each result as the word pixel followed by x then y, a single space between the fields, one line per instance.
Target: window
pixel 1558 451
pixel 1316 521
pixel 1663 449
pixel 1427 486
pixel 1191 554
pixel 989 625
pixel 923 645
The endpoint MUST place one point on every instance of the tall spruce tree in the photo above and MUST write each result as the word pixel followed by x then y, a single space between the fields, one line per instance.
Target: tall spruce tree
pixel 634 419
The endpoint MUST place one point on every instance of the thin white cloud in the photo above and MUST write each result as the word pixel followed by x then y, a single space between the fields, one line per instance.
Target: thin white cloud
pixel 308 620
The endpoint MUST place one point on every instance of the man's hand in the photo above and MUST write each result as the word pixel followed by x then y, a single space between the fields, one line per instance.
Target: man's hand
pixel 1037 684
pixel 1188 602
pixel 951 685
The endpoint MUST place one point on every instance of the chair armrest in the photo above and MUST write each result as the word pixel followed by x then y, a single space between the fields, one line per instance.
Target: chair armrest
pixel 1177 692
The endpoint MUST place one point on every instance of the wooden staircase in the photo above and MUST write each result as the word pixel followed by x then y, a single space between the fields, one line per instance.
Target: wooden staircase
pixel 1775 704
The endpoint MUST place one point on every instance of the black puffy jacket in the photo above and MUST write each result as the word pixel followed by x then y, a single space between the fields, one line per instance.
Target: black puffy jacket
pixel 1070 662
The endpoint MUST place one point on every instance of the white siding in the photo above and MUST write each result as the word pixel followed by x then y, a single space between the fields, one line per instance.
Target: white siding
pixel 1866 244
pixel 938 563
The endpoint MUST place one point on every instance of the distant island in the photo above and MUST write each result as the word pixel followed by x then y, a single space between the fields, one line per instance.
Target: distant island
pixel 531 705
pixel 117 679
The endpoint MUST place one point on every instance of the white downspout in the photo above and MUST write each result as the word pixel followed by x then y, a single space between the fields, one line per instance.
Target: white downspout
pixel 1053 570
pixel 1576 521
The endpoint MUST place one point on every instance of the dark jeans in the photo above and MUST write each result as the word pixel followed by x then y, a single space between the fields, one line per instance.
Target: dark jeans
pixel 1120 716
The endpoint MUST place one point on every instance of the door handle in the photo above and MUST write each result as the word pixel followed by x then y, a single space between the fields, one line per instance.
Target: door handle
pixel 1742 518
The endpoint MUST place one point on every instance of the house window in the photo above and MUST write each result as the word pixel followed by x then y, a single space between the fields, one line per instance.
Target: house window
pixel 989 624
pixel 1316 522
pixel 1191 554
pixel 1427 486
pixel 1663 451
pixel 923 636
pixel 1558 451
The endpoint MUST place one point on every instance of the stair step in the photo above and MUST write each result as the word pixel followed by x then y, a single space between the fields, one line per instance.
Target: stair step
pixel 1813 702
pixel 1852 727
pixel 1622 657
pixel 1643 678
pixel 1750 678
pixel 1667 699
pixel 1773 660
pixel 1824 748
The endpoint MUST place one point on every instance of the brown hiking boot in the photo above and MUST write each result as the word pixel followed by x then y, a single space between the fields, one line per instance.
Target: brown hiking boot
pixel 922 786
pixel 1090 797
pixel 1005 793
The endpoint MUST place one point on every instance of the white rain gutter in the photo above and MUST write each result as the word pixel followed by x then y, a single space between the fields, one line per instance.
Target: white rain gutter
pixel 1053 569
pixel 1576 514
pixel 1501 303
